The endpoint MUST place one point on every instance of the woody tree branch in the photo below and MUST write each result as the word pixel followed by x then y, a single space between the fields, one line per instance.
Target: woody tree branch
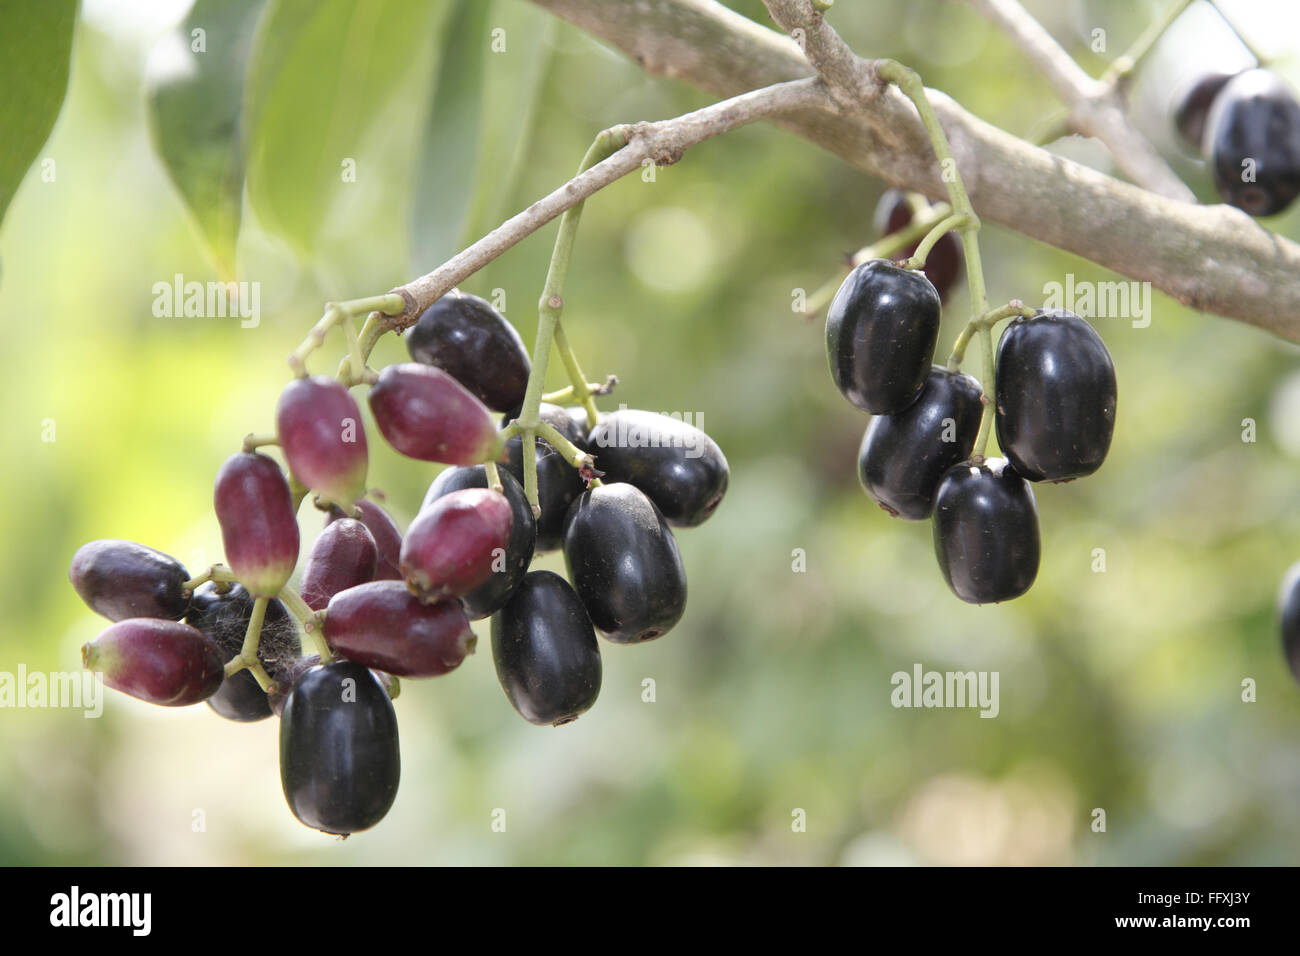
pixel 1213 258
pixel 1095 107
pixel 660 143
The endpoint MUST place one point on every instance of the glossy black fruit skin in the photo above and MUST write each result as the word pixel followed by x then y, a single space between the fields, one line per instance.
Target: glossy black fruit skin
pixel 339 758
pixel 624 564
pixel 1194 105
pixel 986 532
pixel 880 335
pixel 1255 117
pixel 240 699
pixel 1289 612
pixel 492 595
pixel 122 579
pixel 224 618
pixel 903 456
pixel 944 263
pixel 558 482
pixel 1056 397
pixel 545 649
pixel 680 468
pixel 474 343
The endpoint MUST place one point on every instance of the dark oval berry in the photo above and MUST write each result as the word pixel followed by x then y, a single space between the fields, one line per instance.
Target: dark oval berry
pixel 681 469
pixel 319 427
pixel 289 677
pixel 624 563
pixel 1289 612
pixel 473 343
pixel 224 618
pixel 259 529
pixel 578 424
pixel 241 699
pixel 426 414
pixel 1253 143
pixel 880 335
pixel 545 650
pixel 456 544
pixel 280 693
pixel 904 455
pixel 986 532
pixel 1194 107
pixel 340 762
pixel 122 579
pixel 1055 397
pixel 385 626
pixel 387 535
pixel 492 594
pixel 558 482
pixel 343 556
pixel 944 263
pixel 162 662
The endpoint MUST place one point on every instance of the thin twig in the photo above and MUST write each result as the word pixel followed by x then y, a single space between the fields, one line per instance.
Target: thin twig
pixel 660 143
pixel 1213 258
pixel 1095 108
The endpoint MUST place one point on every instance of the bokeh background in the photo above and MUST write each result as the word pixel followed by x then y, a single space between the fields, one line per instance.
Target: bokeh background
pixel 1119 690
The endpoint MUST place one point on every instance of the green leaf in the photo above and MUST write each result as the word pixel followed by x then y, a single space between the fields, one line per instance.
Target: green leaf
pixel 445 172
pixel 476 135
pixel 321 77
pixel 516 71
pixel 194 113
pixel 35 47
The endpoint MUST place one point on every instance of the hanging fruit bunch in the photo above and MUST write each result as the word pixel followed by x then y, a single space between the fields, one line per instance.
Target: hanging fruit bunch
pixel 1051 392
pixel 378 605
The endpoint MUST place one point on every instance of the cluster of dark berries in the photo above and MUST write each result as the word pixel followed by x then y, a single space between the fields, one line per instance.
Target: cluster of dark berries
pixel 1247 125
pixel 388 605
pixel 1055 413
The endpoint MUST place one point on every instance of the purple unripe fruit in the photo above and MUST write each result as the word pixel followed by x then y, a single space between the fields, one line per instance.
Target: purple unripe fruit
pixel 343 556
pixel 258 527
pixel 388 537
pixel 426 414
pixel 122 579
pixel 384 626
pixel 319 427
pixel 162 662
pixel 451 548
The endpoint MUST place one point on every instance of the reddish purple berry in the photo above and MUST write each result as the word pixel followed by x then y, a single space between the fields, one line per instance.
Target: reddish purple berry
pixel 343 556
pixel 426 414
pixel 258 527
pixel 387 535
pixel 457 543
pixel 943 266
pixel 162 662
pixel 384 626
pixel 320 432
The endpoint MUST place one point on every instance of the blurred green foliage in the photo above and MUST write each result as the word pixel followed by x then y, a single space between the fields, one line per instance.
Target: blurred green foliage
pixel 1119 690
